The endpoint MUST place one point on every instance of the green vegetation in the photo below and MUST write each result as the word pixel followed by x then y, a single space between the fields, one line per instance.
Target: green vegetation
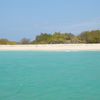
pixel 90 37
pixel 6 42
pixel 65 38
pixel 56 38
pixel 59 38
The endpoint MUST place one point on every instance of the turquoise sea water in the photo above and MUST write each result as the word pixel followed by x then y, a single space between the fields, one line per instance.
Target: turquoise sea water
pixel 49 75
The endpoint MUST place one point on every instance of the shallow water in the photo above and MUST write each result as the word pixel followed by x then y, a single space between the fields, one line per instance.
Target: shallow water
pixel 49 75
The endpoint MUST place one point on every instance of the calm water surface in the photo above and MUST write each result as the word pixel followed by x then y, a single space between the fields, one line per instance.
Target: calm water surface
pixel 49 75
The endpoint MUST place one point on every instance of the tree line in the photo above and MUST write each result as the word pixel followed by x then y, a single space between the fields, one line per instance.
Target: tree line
pixel 7 42
pixel 59 38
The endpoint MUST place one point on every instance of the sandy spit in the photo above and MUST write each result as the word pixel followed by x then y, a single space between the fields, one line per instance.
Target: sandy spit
pixel 51 47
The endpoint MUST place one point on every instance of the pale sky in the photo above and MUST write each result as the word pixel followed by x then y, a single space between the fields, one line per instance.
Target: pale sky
pixel 27 18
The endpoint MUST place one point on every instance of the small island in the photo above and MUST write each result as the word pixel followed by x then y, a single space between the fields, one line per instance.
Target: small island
pixel 85 41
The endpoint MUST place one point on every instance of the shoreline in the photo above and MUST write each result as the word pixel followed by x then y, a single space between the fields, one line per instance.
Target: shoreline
pixel 51 47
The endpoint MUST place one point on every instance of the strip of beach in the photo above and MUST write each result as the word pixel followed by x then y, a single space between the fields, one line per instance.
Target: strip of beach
pixel 51 47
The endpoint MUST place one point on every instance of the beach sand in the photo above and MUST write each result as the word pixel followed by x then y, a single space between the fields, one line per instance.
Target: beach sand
pixel 51 47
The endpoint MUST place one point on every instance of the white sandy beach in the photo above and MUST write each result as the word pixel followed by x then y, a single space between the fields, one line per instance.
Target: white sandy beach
pixel 51 47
